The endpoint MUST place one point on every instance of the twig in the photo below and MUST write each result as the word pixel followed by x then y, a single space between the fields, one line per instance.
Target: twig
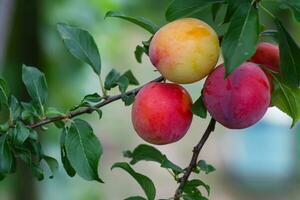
pixel 108 100
pixel 193 162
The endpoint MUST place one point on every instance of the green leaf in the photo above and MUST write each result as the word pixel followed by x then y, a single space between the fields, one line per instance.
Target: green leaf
pixel 83 149
pixel 53 112
pixel 232 7
pixel 199 108
pixel 132 80
pixel 149 153
pixel 194 197
pixel 94 98
pixel 64 158
pixel 36 85
pixel 294 5
pixel 186 8
pixel 111 79
pixel 138 53
pixel 4 92
pixel 215 8
pixel 192 185
pixel 20 133
pixel 239 43
pixel 289 56
pixel 15 107
pixel 37 171
pixel 145 182
pixel 142 22
pixel 81 45
pixel 114 79
pixel 205 167
pixel 128 99
pixel 135 198
pixel 123 83
pixel 7 160
pixel 287 99
pixel 52 163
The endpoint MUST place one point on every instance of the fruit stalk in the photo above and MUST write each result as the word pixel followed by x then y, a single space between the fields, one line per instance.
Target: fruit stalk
pixel 193 163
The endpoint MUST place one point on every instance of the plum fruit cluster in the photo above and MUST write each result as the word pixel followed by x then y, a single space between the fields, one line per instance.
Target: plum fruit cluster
pixel 186 51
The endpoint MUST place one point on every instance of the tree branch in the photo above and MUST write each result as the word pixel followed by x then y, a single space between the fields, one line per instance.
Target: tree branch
pixel 193 163
pixel 73 114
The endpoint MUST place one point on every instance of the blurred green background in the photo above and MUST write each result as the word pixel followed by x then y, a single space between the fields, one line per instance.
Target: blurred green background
pixel 259 163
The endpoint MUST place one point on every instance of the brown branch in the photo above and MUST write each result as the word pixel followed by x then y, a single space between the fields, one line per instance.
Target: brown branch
pixel 193 163
pixel 73 114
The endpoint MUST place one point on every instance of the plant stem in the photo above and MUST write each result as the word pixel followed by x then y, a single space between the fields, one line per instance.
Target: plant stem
pixel 108 100
pixel 193 163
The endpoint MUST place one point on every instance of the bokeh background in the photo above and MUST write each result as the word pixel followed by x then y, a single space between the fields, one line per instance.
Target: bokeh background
pixel 261 162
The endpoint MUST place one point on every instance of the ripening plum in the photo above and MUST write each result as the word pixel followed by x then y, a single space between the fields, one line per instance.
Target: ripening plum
pixel 185 51
pixel 267 54
pixel 161 113
pixel 241 99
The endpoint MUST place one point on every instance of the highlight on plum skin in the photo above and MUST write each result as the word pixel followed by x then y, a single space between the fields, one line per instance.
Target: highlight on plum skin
pixel 161 113
pixel 240 100
pixel 185 51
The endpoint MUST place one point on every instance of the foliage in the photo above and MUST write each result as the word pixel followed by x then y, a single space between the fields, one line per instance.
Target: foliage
pixel 80 148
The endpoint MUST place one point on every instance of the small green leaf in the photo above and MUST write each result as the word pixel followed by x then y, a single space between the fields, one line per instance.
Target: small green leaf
pixel 128 99
pixel 135 198
pixel 132 80
pixel 199 108
pixel 289 56
pixel 287 99
pixel 37 171
pixel 123 83
pixel 94 98
pixel 187 8
pixel 64 158
pixel 53 112
pixel 194 197
pixel 52 163
pixel 99 112
pixel 83 149
pixel 111 79
pixel 20 133
pixel 15 107
pixel 149 153
pixel 36 85
pixel 142 22
pixel 81 45
pixel 239 43
pixel 7 160
pixel 138 53
pixel 194 184
pixel 145 182
pixel 205 167
pixel 4 92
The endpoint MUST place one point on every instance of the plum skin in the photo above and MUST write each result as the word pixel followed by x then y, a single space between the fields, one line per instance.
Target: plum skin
pixel 267 54
pixel 185 51
pixel 161 113
pixel 240 100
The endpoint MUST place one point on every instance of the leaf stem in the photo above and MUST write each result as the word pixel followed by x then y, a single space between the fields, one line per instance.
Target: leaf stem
pixel 193 163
